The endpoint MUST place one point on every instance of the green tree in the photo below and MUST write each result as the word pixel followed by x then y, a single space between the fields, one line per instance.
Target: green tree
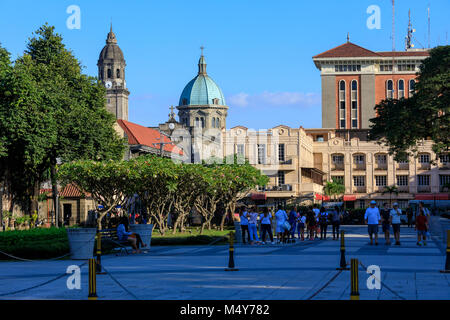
pixel 333 189
pixel 391 190
pixel 401 124
pixel 50 110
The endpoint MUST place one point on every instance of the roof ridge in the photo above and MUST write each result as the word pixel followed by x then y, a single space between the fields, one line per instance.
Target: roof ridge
pixel 129 130
pixel 342 45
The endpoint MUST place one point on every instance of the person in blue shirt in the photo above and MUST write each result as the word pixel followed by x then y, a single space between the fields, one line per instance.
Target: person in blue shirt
pixel 293 222
pixel 133 238
pixel 323 222
pixel 243 215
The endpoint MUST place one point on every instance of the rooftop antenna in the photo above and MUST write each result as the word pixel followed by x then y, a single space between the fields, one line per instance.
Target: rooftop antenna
pixel 408 44
pixel 348 37
pixel 393 25
pixel 429 27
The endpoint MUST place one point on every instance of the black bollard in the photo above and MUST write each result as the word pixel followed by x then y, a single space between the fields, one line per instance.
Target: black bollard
pixel 447 258
pixel 98 267
pixel 92 280
pixel 342 263
pixel 231 255
pixel 354 282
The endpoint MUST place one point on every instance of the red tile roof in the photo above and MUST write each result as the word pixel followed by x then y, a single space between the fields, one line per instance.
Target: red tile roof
pixel 351 50
pixel 140 135
pixel 347 50
pixel 69 191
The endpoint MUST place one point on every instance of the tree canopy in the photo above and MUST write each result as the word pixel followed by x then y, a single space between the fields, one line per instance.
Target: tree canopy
pixel 402 124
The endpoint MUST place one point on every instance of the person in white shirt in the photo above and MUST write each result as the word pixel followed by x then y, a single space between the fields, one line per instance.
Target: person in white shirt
pixel 396 212
pixel 316 214
pixel 252 221
pixel 266 223
pixel 372 218
pixel 301 222
pixel 244 224
pixel 281 217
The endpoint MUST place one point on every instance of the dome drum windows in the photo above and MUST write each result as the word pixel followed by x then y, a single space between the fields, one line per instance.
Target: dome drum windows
pixel 118 73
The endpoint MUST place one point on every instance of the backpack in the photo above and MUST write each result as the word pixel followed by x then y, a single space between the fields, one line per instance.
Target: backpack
pixel 323 217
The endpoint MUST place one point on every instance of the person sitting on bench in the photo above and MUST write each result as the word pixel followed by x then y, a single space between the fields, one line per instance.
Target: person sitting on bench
pixel 134 238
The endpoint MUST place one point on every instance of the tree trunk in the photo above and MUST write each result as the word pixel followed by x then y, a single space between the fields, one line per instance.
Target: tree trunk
pixel 54 191
pixel 34 199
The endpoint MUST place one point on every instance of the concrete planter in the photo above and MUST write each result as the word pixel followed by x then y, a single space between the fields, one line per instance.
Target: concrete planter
pixel 81 242
pixel 144 230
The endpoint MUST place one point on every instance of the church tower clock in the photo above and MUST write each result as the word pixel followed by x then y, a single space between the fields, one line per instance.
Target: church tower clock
pixel 111 72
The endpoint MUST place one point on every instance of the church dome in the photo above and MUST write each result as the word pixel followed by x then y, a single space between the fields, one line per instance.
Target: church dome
pixel 111 51
pixel 202 90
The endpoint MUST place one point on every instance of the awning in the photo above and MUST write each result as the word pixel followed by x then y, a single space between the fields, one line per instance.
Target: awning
pixel 349 197
pixel 259 196
pixel 321 197
pixel 432 196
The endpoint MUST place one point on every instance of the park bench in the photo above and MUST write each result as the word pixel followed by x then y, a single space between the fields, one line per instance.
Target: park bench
pixel 110 235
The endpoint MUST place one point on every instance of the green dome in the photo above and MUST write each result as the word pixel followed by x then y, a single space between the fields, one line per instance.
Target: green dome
pixel 202 90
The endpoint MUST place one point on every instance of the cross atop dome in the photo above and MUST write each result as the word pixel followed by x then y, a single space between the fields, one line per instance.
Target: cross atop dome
pixel 202 63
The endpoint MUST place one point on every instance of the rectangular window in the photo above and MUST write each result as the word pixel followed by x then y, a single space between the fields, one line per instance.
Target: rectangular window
pixel 402 204
pixel 358 159
pixel 444 158
pixel 359 181
pixel 280 178
pixel 402 180
pixel 281 152
pixel 444 179
pixel 338 159
pixel 423 180
pixel 240 150
pixel 338 179
pixel 362 204
pixel 261 154
pixel 319 138
pixel 381 159
pixel 380 181
pixel 424 158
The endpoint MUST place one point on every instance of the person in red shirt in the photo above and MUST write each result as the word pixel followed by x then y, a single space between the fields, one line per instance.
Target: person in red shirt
pixel 421 227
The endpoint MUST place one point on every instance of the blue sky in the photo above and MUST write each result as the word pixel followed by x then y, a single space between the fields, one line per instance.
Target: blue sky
pixel 258 51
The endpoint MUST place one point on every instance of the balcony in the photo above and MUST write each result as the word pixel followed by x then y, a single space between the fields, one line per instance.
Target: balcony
pixel 381 166
pixel 423 189
pixel 359 167
pixel 403 189
pixel 359 190
pixel 402 166
pixel 444 165
pixel 287 165
pixel 311 187
pixel 278 191
pixel 424 166
pixel 337 167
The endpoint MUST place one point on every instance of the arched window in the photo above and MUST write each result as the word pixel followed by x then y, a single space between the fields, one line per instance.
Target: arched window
pixel 217 123
pixel 401 89
pixel 342 104
pixel 109 73
pixel 213 122
pixel 118 73
pixel 389 89
pixel 354 96
pixel 203 122
pixel 412 87
pixel 197 122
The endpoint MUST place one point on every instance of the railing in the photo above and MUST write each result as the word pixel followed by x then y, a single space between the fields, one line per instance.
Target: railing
pixel 281 187
pixel 381 166
pixel 423 189
pixel 403 188
pixel 444 165
pixel 359 190
pixel 359 166
pixel 403 166
pixel 424 166
pixel 337 167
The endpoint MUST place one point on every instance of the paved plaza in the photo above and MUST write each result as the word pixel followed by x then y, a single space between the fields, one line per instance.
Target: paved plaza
pixel 266 272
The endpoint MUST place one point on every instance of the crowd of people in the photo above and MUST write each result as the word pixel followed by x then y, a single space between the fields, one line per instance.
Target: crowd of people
pixel 261 226
pixel 390 217
pixel 305 224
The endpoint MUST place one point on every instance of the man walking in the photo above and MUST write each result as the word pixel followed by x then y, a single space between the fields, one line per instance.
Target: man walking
pixel 336 221
pixel 396 212
pixel 372 218
pixel 386 222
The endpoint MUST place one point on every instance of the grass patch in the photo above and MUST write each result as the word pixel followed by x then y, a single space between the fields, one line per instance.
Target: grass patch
pixel 192 236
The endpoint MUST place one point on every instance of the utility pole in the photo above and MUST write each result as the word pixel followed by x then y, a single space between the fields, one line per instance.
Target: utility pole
pixel 161 143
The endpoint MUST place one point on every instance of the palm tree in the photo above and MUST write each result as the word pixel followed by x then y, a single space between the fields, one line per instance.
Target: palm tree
pixel 333 189
pixel 390 190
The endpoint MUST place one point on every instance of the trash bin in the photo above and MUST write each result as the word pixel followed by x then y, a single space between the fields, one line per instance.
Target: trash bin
pixel 144 230
pixel 81 243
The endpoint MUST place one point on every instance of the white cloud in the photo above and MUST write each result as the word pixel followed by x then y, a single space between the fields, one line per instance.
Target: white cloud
pixel 271 99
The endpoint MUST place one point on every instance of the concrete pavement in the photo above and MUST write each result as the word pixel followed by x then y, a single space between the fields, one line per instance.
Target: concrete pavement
pixel 267 272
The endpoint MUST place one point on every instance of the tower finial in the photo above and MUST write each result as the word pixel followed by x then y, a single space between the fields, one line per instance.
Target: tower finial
pixel 202 63
pixel 348 36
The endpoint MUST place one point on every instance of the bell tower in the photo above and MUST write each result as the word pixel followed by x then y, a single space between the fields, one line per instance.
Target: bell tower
pixel 111 72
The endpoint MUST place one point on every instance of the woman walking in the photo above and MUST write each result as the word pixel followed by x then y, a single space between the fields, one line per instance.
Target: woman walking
pixel 422 227
pixel 281 217
pixel 266 223
pixel 244 224
pixel 336 221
